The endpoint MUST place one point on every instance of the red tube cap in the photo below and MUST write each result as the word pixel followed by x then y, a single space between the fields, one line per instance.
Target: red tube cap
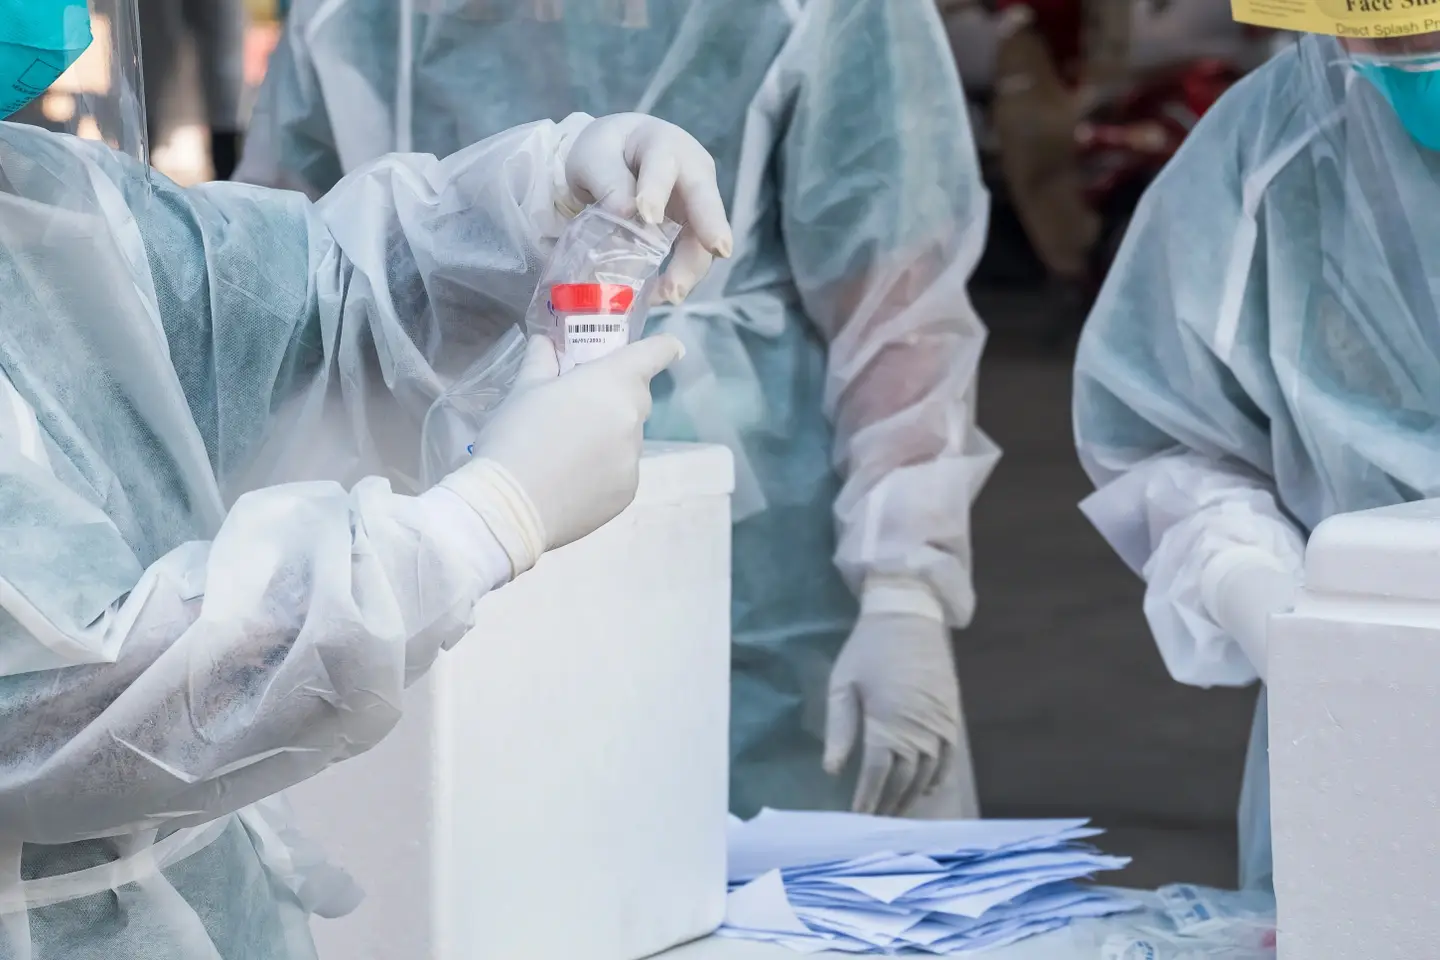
pixel 592 298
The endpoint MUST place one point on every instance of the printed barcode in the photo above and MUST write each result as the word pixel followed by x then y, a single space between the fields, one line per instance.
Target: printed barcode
pixel 597 328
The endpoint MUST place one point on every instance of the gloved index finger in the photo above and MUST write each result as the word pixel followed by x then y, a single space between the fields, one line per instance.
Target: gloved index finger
pixel 655 184
pixel 607 180
pixel 648 358
pixel 842 727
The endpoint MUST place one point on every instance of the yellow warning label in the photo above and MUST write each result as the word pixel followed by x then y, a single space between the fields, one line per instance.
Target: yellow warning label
pixel 1342 18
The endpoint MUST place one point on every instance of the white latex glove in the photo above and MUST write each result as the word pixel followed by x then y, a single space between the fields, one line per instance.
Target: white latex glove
pixel 561 458
pixel 1242 588
pixel 895 678
pixel 631 163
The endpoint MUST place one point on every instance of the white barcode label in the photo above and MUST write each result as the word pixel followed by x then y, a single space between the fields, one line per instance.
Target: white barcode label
pixel 589 337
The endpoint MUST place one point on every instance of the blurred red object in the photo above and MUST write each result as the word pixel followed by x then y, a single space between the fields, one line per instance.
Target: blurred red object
pixel 1124 143
pixel 260 41
pixel 1135 135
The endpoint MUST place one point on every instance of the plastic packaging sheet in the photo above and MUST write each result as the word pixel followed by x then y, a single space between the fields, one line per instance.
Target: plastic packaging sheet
pixel 1185 922
pixel 596 248
pixel 601 248
pixel 456 419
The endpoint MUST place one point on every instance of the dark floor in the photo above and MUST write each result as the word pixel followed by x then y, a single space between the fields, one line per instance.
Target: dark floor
pixel 1071 711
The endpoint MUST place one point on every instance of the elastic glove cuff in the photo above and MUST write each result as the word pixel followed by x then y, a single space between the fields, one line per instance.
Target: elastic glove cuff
pixel 904 596
pixel 1241 589
pixel 456 523
pixel 495 494
pixel 1213 575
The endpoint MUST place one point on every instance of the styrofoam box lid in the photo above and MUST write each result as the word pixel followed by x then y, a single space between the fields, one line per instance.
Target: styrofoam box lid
pixel 672 472
pixel 1389 552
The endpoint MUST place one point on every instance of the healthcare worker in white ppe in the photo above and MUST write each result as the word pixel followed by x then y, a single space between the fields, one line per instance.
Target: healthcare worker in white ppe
pixel 1266 352
pixel 835 355
pixel 216 575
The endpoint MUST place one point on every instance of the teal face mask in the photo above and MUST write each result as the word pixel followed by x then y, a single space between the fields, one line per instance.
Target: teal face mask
pixel 39 40
pixel 1415 97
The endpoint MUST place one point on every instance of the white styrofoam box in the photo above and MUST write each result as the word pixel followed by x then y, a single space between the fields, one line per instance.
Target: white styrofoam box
pixel 558 785
pixel 1355 742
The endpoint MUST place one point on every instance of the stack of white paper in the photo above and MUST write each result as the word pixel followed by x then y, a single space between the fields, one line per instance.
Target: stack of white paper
pixel 854 884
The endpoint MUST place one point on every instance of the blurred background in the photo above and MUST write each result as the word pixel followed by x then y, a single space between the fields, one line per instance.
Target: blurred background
pixel 180 98
pixel 1075 107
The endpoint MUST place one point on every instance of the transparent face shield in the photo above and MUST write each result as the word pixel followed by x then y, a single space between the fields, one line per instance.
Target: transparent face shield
pixel 1406 72
pixel 1418 53
pixel 93 91
pixel 1392 47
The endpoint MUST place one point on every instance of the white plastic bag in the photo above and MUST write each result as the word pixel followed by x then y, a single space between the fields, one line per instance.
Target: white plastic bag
pixel 1198 923
pixel 597 248
pixel 456 419
pixel 607 267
